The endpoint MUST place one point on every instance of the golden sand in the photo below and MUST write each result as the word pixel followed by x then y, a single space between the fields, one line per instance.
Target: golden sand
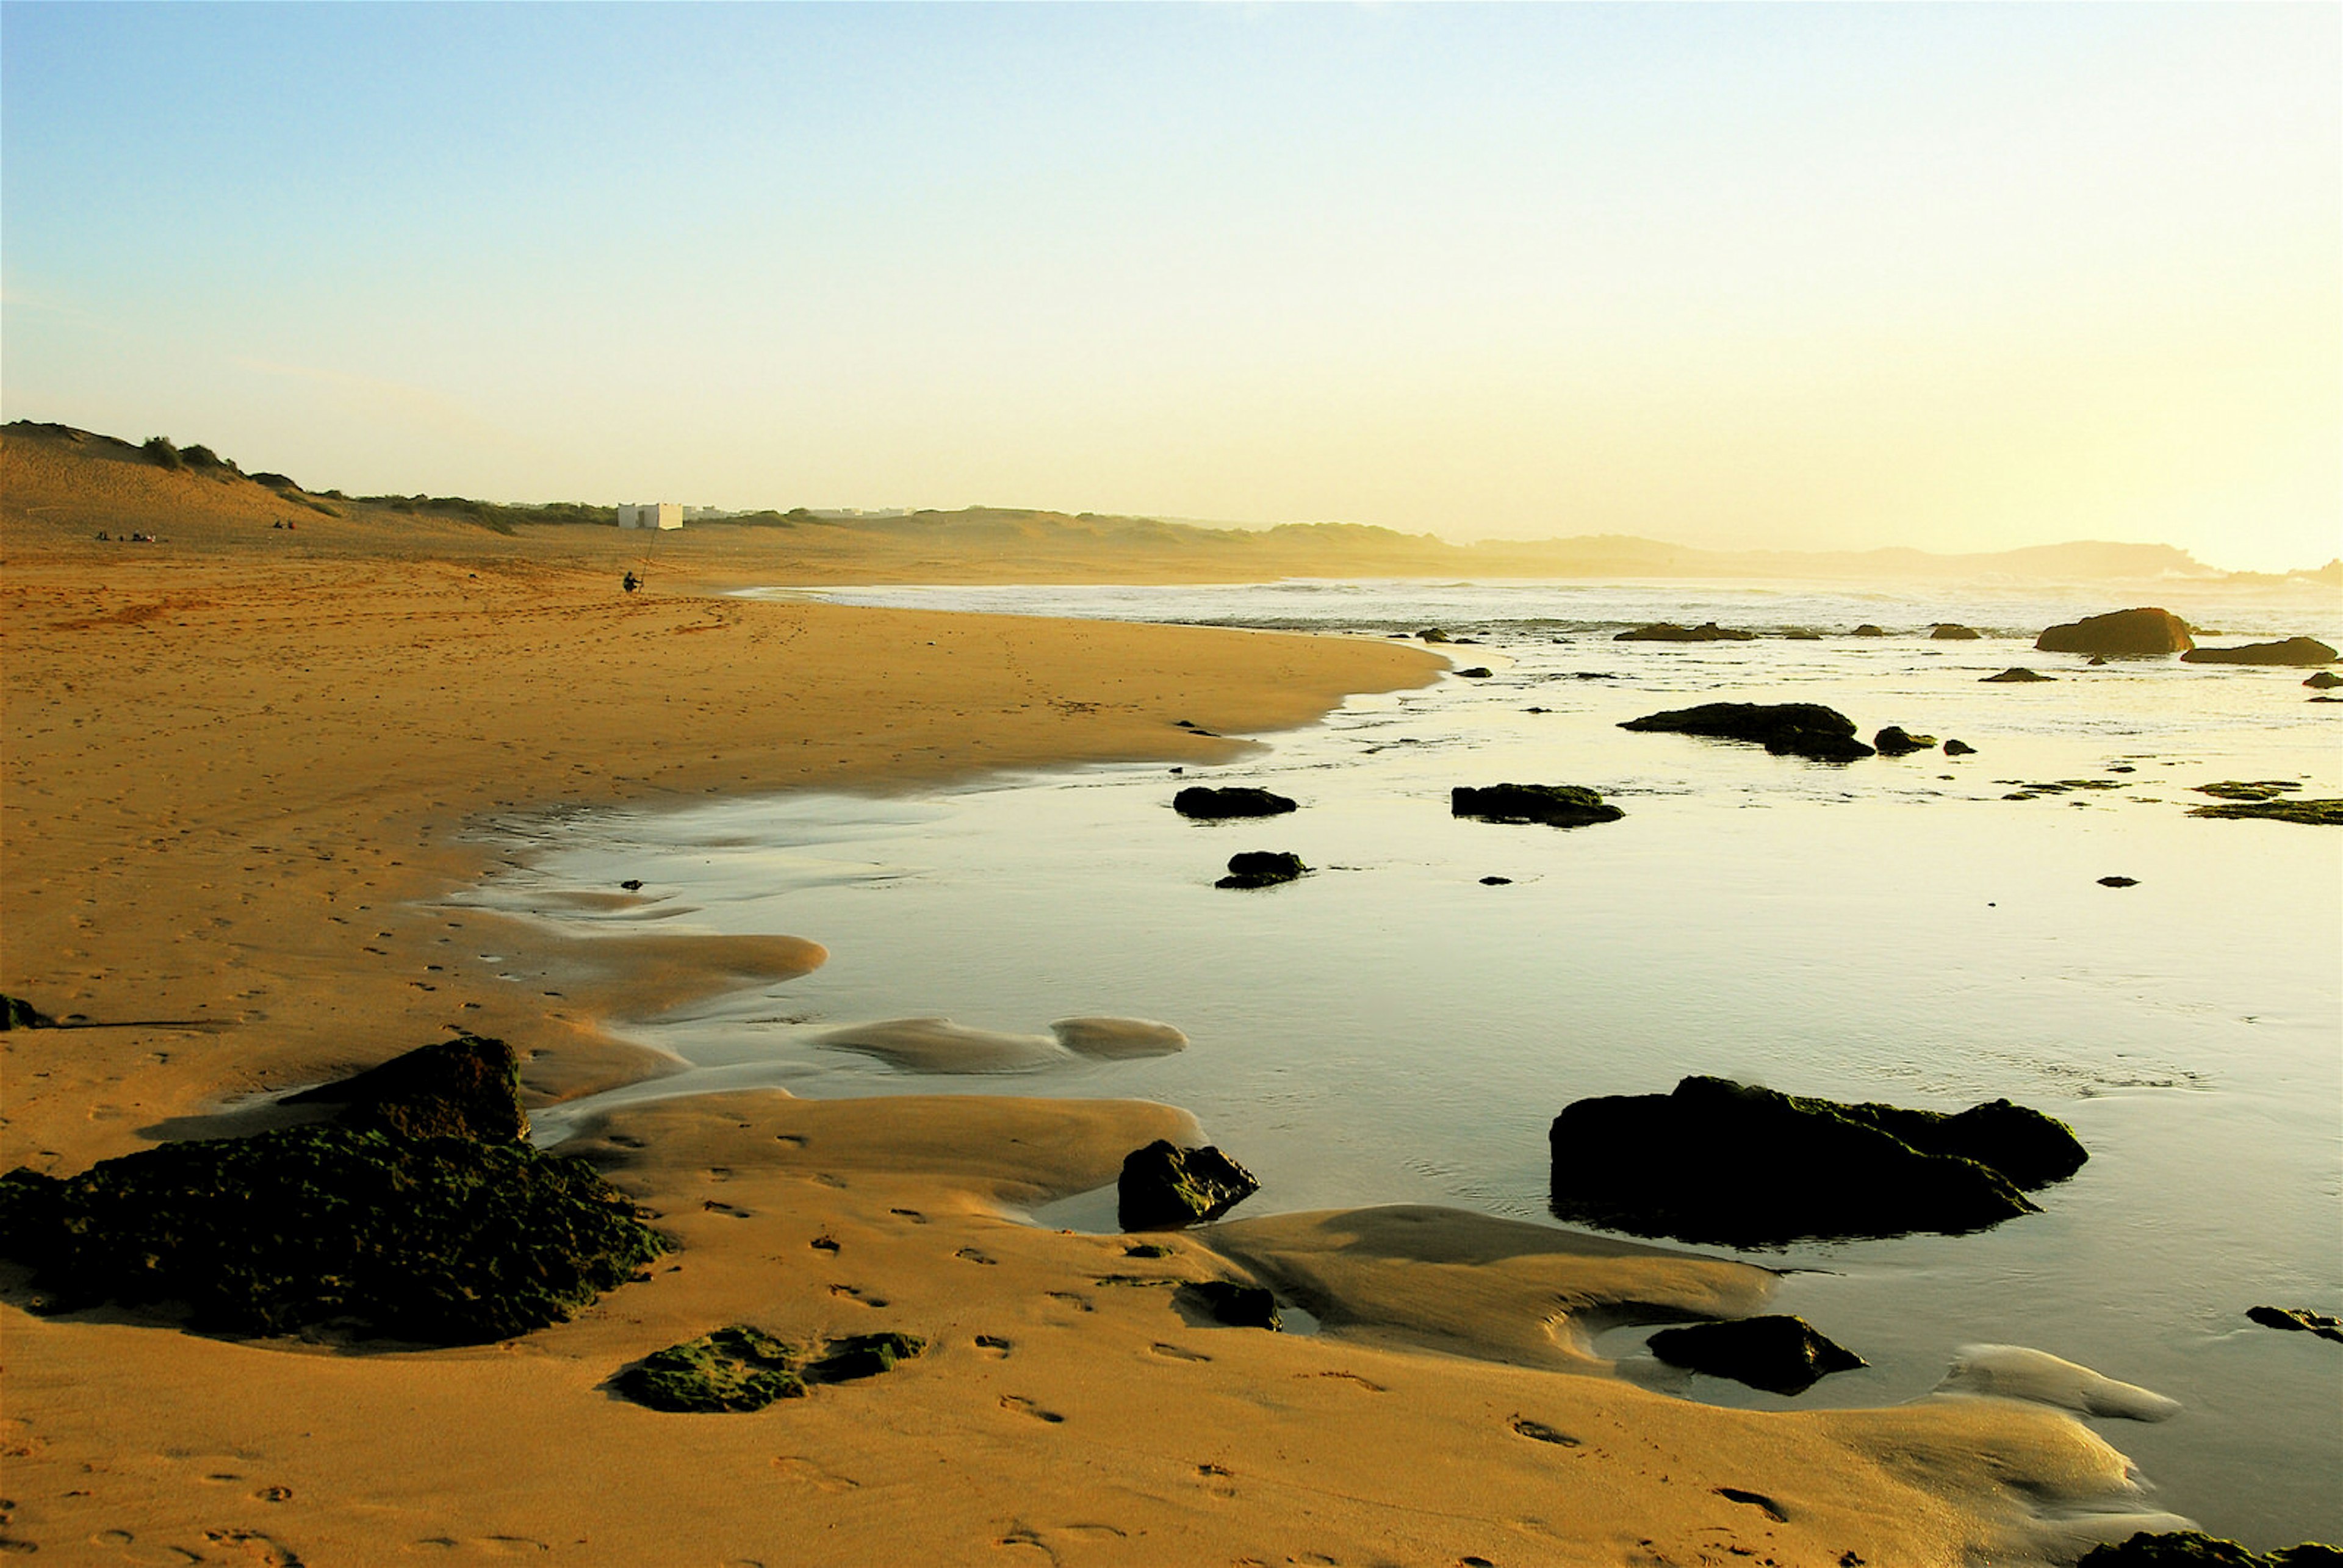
pixel 245 766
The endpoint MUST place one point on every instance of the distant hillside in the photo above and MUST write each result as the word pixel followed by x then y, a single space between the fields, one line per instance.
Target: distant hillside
pixel 76 481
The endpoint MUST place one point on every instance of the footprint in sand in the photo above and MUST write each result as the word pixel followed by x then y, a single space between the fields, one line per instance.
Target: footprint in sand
pixel 805 1472
pixel 1352 1377
pixel 854 1292
pixel 1080 1303
pixel 913 1215
pixel 1023 1406
pixel 1757 1500
pixel 993 1345
pixel 971 1255
pixel 256 1547
pixel 1178 1353
pixel 824 1244
pixel 1538 1431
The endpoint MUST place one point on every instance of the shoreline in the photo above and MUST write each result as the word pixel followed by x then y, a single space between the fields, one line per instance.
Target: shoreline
pixel 239 788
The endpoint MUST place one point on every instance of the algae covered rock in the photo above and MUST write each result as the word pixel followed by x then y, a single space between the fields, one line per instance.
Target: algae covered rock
pixel 1721 1161
pixel 1556 805
pixel 2324 680
pixel 444 1241
pixel 733 1369
pixel 1778 1353
pixel 742 1369
pixel 1668 632
pixel 1786 728
pixel 2120 634
pixel 1868 629
pixel 2189 1549
pixel 2313 813
pixel 1952 631
pixel 1164 1186
pixel 15 1012
pixel 468 1086
pixel 1206 803
pixel 1898 741
pixel 2325 1325
pixel 1262 868
pixel 2297 650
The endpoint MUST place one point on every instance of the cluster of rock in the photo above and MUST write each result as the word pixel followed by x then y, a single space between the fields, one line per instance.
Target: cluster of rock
pixel 420 1213
pixel 2189 1549
pixel 1721 1161
pixel 1805 729
pixel 1668 632
pixel 740 1369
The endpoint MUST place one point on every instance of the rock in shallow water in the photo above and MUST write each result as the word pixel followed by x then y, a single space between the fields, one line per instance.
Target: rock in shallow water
pixel 2301 1318
pixel 2189 1549
pixel 1786 728
pixel 1778 1353
pixel 1262 868
pixel 2120 634
pixel 1898 741
pixel 1556 805
pixel 1717 1160
pixel 2297 650
pixel 2015 674
pixel 1668 632
pixel 1206 803
pixel 1164 1186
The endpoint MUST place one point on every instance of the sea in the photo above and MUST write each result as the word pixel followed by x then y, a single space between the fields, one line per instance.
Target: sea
pixel 1402 1024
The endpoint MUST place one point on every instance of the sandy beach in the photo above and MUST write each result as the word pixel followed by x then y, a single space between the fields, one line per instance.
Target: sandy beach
pixel 245 763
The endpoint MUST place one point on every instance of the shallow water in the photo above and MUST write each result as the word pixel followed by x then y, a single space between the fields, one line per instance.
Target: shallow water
pixel 1390 1028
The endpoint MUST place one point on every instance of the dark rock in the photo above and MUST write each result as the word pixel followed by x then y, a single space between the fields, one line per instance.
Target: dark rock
pixel 1785 728
pixel 632 884
pixel 1202 801
pixel 468 1086
pixel 733 1369
pixel 1164 1186
pixel 1478 672
pixel 1778 1353
pixel 1432 633
pixel 2324 680
pixel 2017 673
pixel 1262 868
pixel 1801 635
pixel 1867 630
pixel 1720 1162
pixel 2293 650
pixel 2319 1323
pixel 1238 1306
pixel 1947 631
pixel 2099 660
pixel 444 1240
pixel 2119 881
pixel 2248 788
pixel 2313 813
pixel 2122 634
pixel 1556 805
pixel 15 1012
pixel 1668 632
pixel 1496 882
pixel 2189 1549
pixel 1959 748
pixel 1898 741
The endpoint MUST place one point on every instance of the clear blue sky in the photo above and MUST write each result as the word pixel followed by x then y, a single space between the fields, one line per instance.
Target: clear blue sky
pixel 1962 276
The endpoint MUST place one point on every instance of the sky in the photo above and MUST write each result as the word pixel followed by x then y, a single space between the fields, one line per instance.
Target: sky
pixel 1964 277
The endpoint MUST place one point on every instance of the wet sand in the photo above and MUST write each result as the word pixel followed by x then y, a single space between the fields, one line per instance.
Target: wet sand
pixel 243 765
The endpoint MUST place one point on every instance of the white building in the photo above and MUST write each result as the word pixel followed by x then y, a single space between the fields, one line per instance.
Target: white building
pixel 652 515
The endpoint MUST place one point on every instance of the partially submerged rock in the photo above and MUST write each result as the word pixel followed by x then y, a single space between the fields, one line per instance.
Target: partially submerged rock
pixel 1717 1160
pixel 2016 673
pixel 740 1368
pixel 1477 672
pixel 1777 1352
pixel 1164 1186
pixel 2248 788
pixel 2324 679
pixel 1959 748
pixel 444 1241
pixel 1238 1306
pixel 1868 629
pixel 1206 803
pixel 2121 634
pixel 1556 805
pixel 2293 650
pixel 2314 813
pixel 1786 728
pixel 1668 632
pixel 1262 868
pixel 1950 631
pixel 1898 741
pixel 468 1086
pixel 2191 1549
pixel 2298 1317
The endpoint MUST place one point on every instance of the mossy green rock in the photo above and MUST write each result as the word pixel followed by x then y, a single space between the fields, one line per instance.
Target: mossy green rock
pixel 1721 1161
pixel 443 1240
pixel 1164 1186
pixel 740 1368
pixel 2312 813
pixel 468 1086
pixel 2188 1549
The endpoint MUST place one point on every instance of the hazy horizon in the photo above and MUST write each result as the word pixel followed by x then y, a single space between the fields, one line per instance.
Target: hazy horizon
pixel 1961 279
